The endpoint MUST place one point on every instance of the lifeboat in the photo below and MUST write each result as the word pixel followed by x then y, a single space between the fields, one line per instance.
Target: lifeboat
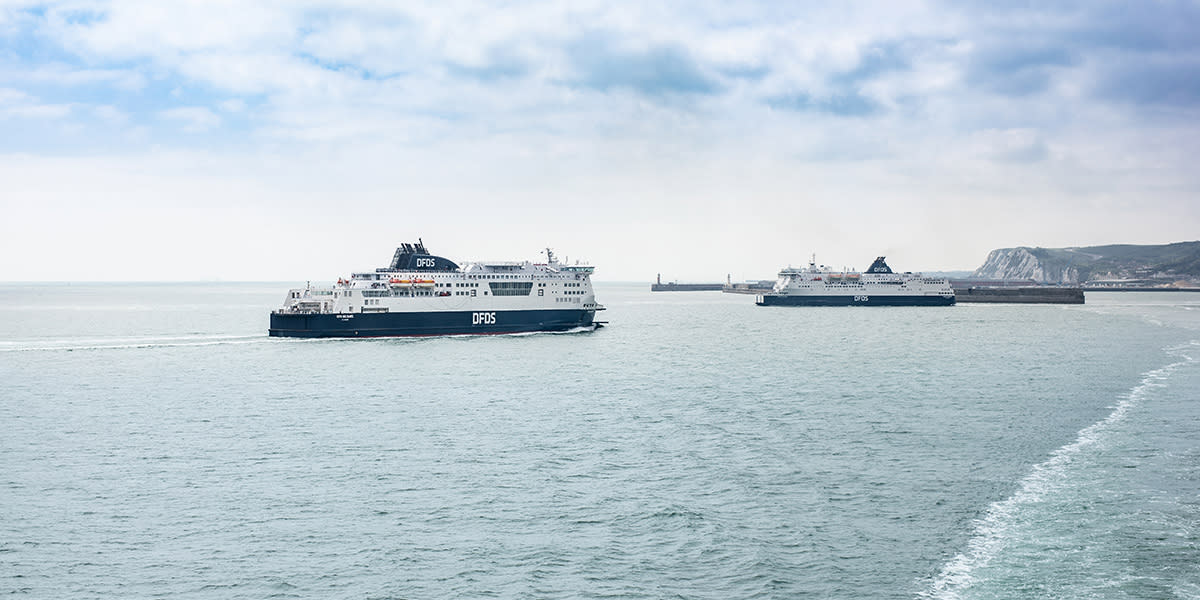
pixel 398 282
pixel 427 283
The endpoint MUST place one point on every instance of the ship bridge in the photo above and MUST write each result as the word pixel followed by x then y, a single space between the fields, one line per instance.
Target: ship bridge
pixel 414 257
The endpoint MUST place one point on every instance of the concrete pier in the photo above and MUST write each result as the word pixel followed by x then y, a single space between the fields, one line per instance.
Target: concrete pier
pixel 685 287
pixel 1020 295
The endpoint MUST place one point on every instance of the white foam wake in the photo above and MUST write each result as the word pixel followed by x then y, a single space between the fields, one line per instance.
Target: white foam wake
pixel 128 343
pixel 991 532
pixel 573 330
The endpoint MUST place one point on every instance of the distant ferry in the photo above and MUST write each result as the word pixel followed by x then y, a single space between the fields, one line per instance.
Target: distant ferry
pixel 420 294
pixel 879 286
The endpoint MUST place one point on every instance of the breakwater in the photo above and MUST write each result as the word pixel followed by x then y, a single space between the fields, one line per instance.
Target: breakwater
pixel 750 287
pixel 1100 288
pixel 685 287
pixel 1020 295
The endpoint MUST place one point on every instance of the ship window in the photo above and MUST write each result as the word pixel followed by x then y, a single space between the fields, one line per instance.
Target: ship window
pixel 515 288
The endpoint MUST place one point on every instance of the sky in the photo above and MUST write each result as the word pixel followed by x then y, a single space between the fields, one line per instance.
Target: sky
pixel 160 140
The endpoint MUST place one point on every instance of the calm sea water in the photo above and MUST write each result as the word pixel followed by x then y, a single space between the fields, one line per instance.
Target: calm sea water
pixel 156 443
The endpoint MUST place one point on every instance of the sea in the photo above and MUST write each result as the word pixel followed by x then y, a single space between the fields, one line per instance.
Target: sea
pixel 156 443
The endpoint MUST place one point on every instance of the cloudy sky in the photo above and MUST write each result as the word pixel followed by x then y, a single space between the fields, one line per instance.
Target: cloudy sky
pixel 296 140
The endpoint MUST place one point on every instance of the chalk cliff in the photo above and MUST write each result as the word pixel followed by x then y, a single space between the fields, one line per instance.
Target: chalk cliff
pixel 1074 266
pixel 1027 263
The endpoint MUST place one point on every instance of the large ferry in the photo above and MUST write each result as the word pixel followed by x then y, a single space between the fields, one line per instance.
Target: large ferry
pixel 879 286
pixel 420 294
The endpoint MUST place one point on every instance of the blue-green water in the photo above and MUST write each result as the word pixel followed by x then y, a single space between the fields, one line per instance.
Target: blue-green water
pixel 156 443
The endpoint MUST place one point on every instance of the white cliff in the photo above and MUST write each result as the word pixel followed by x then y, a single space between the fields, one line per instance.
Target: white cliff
pixel 1024 263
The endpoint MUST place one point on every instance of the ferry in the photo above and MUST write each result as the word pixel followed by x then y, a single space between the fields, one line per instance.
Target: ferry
pixel 824 286
pixel 420 294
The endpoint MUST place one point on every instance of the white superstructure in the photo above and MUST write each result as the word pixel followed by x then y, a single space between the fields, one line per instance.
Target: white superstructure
pixel 422 294
pixel 476 286
pixel 826 286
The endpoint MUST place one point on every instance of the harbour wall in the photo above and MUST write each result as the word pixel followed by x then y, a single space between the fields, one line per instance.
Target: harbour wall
pixel 1140 289
pixel 758 287
pixel 685 287
pixel 1020 295
pixel 993 292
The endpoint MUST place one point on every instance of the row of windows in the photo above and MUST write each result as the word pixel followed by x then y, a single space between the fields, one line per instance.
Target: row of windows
pixel 393 293
pixel 510 288
pixel 525 286
pixel 499 288
pixel 383 276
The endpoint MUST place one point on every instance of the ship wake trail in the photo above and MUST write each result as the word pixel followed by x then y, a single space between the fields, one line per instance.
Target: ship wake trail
pixel 521 334
pixel 573 330
pixel 74 345
pixel 995 531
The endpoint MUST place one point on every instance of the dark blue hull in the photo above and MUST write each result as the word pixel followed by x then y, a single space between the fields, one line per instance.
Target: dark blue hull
pixel 391 324
pixel 849 300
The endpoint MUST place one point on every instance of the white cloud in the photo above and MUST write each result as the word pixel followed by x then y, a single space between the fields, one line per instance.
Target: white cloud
pixel 110 114
pixel 57 74
pixel 38 111
pixel 824 129
pixel 235 105
pixel 1010 145
pixel 194 119
pixel 128 29
pixel 9 96
pixel 19 105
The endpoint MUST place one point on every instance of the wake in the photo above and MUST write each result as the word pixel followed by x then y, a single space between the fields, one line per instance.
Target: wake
pixel 991 534
pixel 126 343
pixel 133 343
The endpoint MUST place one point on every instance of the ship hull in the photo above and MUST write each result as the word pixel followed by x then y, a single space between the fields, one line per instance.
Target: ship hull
pixel 849 300
pixel 402 324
